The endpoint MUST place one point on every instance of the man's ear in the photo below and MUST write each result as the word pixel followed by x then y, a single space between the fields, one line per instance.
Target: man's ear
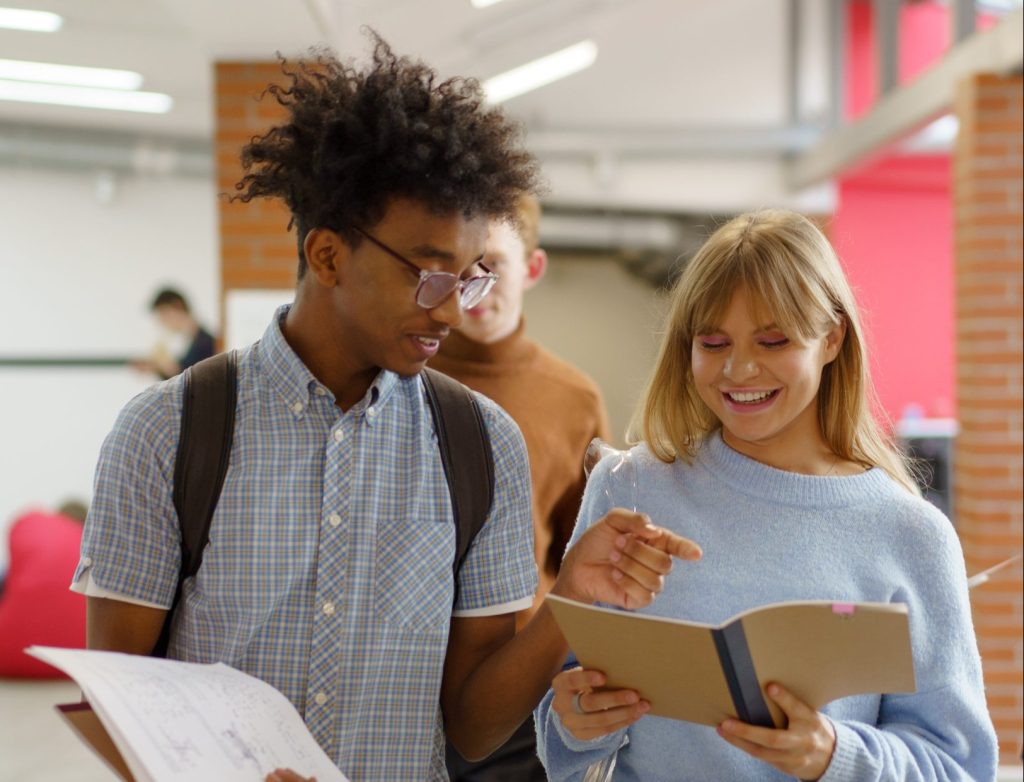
pixel 536 265
pixel 325 251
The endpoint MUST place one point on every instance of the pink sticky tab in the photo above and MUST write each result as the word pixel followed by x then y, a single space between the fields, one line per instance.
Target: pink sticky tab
pixel 845 609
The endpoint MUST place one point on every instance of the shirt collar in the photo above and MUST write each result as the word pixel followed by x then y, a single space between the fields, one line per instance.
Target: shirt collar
pixel 296 384
pixel 291 378
pixel 381 390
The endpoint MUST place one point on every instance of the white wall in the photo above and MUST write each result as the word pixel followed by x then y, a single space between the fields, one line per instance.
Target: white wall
pixel 595 315
pixel 76 277
pixel 77 273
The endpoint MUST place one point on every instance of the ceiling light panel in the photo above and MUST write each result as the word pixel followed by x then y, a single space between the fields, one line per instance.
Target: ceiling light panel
pixel 73 75
pixel 86 97
pixel 33 21
pixel 540 72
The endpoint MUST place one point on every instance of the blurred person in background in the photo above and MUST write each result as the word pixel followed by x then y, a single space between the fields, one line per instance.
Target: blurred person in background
pixel 176 319
pixel 559 410
pixel 35 604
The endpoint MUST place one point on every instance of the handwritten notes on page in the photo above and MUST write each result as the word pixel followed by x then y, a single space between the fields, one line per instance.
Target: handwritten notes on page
pixel 179 722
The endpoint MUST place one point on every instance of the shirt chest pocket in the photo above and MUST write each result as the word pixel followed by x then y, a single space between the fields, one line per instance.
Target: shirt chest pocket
pixel 413 588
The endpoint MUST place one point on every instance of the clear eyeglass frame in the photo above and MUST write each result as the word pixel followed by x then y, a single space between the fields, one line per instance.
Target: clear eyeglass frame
pixel 435 287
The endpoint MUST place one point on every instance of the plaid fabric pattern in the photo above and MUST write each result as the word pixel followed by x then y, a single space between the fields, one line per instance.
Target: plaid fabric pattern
pixel 328 572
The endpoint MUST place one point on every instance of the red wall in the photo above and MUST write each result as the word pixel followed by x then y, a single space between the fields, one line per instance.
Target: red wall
pixel 924 37
pixel 894 231
pixel 893 228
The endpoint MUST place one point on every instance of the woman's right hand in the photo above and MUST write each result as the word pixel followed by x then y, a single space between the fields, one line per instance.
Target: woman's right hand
pixel 587 714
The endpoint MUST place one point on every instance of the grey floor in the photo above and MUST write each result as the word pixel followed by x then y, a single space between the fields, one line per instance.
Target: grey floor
pixel 35 743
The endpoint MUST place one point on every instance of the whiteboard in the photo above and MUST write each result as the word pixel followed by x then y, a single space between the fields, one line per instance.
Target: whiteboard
pixel 248 311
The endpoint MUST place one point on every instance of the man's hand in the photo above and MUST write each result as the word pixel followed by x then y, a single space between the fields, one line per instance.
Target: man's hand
pixel 622 560
pixel 587 714
pixel 803 749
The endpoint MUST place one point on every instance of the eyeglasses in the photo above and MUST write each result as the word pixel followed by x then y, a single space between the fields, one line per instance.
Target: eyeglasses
pixel 436 287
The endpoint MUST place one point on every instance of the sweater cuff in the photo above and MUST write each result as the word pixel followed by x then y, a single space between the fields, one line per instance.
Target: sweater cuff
pixel 846 764
pixel 617 739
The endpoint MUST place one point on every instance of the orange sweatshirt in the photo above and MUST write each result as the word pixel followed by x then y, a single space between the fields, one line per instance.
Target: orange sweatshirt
pixel 559 410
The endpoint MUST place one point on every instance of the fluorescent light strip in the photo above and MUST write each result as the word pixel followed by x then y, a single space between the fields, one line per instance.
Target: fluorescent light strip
pixel 74 75
pixel 540 72
pixel 484 3
pixel 34 21
pixel 86 97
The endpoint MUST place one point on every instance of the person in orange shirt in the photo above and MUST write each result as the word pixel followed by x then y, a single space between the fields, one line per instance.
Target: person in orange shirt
pixel 559 410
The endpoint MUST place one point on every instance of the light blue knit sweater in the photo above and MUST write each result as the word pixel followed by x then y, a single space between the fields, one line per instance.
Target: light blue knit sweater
pixel 770 536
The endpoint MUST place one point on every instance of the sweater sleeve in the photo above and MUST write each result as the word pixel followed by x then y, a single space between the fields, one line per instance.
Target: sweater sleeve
pixel 566 758
pixel 563 756
pixel 943 731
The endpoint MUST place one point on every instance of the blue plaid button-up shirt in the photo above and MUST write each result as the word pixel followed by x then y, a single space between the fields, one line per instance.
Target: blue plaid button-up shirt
pixel 328 572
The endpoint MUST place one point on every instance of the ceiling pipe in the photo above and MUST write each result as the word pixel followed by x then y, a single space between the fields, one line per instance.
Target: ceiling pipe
pixel 48 147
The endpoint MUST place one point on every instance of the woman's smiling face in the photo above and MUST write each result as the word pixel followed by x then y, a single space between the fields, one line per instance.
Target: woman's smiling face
pixel 762 383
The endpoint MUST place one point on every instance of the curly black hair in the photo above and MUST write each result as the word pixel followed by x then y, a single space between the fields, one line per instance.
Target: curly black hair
pixel 356 139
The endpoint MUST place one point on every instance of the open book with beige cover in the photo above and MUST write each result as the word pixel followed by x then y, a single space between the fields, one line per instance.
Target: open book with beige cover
pixel 819 650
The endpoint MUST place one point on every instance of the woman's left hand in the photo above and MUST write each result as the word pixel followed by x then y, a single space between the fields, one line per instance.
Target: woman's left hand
pixel 803 749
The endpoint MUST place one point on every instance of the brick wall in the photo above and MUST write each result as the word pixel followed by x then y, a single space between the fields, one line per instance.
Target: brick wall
pixel 987 201
pixel 256 249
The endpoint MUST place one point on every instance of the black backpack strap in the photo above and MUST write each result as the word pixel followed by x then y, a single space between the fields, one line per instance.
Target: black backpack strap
pixel 204 447
pixel 466 454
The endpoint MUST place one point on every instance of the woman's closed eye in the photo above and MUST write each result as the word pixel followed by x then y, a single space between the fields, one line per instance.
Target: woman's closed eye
pixel 712 343
pixel 774 343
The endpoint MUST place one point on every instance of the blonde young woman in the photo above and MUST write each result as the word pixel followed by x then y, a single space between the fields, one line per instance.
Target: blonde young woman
pixel 757 442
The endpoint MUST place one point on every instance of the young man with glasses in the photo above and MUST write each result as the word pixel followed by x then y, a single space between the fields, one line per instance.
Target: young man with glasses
pixel 559 410
pixel 329 566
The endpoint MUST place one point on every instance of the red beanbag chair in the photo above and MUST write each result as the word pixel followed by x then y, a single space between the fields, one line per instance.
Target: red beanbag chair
pixel 36 606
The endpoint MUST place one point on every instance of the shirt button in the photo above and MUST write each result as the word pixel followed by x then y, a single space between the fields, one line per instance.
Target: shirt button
pixel 338 435
pixel 329 608
pixel 87 561
pixel 334 519
pixel 320 391
pixel 320 698
pixel 297 408
pixel 371 412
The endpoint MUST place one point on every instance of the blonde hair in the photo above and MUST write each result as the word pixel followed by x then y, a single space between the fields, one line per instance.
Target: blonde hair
pixel 788 263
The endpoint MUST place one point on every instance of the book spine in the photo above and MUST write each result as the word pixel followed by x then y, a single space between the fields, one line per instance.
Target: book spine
pixel 738 667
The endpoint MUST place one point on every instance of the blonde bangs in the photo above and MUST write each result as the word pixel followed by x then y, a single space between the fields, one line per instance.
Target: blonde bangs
pixel 765 271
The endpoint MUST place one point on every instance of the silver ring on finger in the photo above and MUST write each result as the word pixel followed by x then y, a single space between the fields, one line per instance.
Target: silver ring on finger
pixel 576 705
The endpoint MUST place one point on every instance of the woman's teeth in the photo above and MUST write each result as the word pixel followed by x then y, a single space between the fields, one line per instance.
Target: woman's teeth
pixel 748 397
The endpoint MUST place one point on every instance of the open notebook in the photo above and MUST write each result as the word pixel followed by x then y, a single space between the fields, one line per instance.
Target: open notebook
pixel 158 720
pixel 704 673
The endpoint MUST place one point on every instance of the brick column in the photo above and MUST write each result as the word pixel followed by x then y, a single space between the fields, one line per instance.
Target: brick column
pixel 256 249
pixel 988 464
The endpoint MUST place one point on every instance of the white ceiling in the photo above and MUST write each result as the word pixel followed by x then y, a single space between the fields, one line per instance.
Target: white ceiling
pixel 692 105
pixel 662 64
